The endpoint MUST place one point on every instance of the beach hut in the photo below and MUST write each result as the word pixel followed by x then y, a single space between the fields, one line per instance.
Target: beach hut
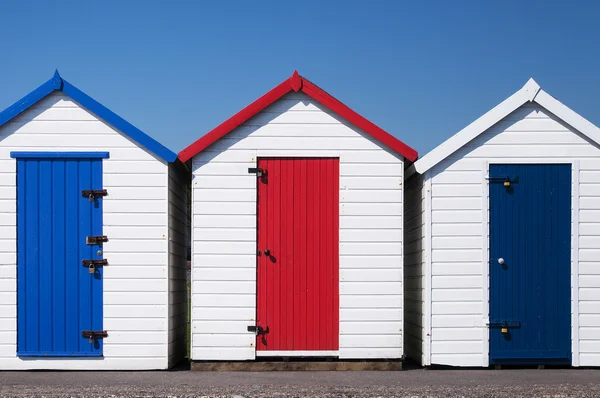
pixel 503 240
pixel 92 238
pixel 297 232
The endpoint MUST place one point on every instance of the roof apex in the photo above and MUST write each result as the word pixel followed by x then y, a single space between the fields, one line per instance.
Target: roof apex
pixel 532 88
pixel 530 92
pixel 56 83
pixel 297 83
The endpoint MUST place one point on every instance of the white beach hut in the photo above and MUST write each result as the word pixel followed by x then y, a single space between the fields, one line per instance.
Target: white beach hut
pixel 92 238
pixel 502 237
pixel 297 232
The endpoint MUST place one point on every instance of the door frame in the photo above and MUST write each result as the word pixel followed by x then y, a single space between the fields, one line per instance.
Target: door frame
pixel 485 227
pixel 295 155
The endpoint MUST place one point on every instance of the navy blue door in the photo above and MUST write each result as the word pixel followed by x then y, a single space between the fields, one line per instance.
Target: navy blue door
pixel 57 297
pixel 530 264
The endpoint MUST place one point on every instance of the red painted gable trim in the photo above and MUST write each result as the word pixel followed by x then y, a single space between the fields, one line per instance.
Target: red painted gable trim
pixel 298 83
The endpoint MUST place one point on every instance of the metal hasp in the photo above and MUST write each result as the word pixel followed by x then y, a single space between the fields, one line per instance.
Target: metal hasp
pixel 93 264
pixel 95 240
pixel 256 170
pixel 92 335
pixel 260 331
pixel 504 324
pixel 96 263
pixel 92 194
pixel 506 181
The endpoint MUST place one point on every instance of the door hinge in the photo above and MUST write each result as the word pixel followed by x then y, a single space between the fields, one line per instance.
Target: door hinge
pixel 92 194
pixel 92 335
pixel 256 170
pixel 94 240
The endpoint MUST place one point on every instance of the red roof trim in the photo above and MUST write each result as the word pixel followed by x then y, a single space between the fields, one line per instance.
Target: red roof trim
pixel 298 83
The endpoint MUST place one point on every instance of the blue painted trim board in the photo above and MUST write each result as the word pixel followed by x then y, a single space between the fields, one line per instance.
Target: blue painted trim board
pixel 57 354
pixel 56 83
pixel 60 155
pixel 30 99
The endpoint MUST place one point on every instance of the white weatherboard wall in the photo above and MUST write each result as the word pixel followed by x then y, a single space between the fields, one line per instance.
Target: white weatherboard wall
pixel 136 301
pixel 224 231
pixel 458 237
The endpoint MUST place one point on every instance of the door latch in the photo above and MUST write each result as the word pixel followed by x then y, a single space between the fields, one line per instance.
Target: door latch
pixel 506 181
pixel 92 335
pixel 260 331
pixel 504 325
pixel 93 264
pixel 256 170
pixel 95 240
pixel 92 194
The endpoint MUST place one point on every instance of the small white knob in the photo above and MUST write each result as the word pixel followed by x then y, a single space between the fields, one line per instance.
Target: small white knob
pixel 500 261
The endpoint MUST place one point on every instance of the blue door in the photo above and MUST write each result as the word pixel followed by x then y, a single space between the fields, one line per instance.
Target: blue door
pixel 58 298
pixel 530 264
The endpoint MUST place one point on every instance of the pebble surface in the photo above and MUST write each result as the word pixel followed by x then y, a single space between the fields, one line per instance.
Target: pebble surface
pixel 409 383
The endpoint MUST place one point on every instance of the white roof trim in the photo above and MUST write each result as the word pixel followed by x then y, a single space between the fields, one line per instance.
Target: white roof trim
pixel 569 116
pixel 530 92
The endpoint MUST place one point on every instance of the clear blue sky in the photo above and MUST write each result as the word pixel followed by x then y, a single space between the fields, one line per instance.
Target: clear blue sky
pixel 421 70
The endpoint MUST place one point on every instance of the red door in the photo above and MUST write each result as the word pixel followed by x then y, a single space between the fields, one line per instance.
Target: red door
pixel 298 262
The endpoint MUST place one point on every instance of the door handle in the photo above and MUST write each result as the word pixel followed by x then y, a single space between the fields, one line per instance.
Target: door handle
pixel 267 252
pixel 501 261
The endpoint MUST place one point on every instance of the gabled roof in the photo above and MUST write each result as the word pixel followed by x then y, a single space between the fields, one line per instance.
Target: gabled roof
pixel 530 92
pixel 298 83
pixel 56 83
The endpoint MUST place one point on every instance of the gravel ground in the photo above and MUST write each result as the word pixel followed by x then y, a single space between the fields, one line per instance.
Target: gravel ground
pixel 409 383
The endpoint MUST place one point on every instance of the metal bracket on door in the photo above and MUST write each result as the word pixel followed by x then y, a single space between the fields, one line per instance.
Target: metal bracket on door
pixel 260 331
pixel 96 263
pixel 256 170
pixel 93 264
pixel 92 335
pixel 504 324
pixel 92 194
pixel 504 180
pixel 95 240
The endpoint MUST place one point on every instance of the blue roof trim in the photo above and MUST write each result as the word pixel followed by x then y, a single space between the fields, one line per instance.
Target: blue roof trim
pixel 60 155
pixel 116 121
pixel 24 103
pixel 57 83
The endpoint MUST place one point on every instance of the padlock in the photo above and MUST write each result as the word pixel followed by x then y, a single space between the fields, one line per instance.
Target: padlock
pixel 91 339
pixel 91 269
pixel 91 197
pixel 504 330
